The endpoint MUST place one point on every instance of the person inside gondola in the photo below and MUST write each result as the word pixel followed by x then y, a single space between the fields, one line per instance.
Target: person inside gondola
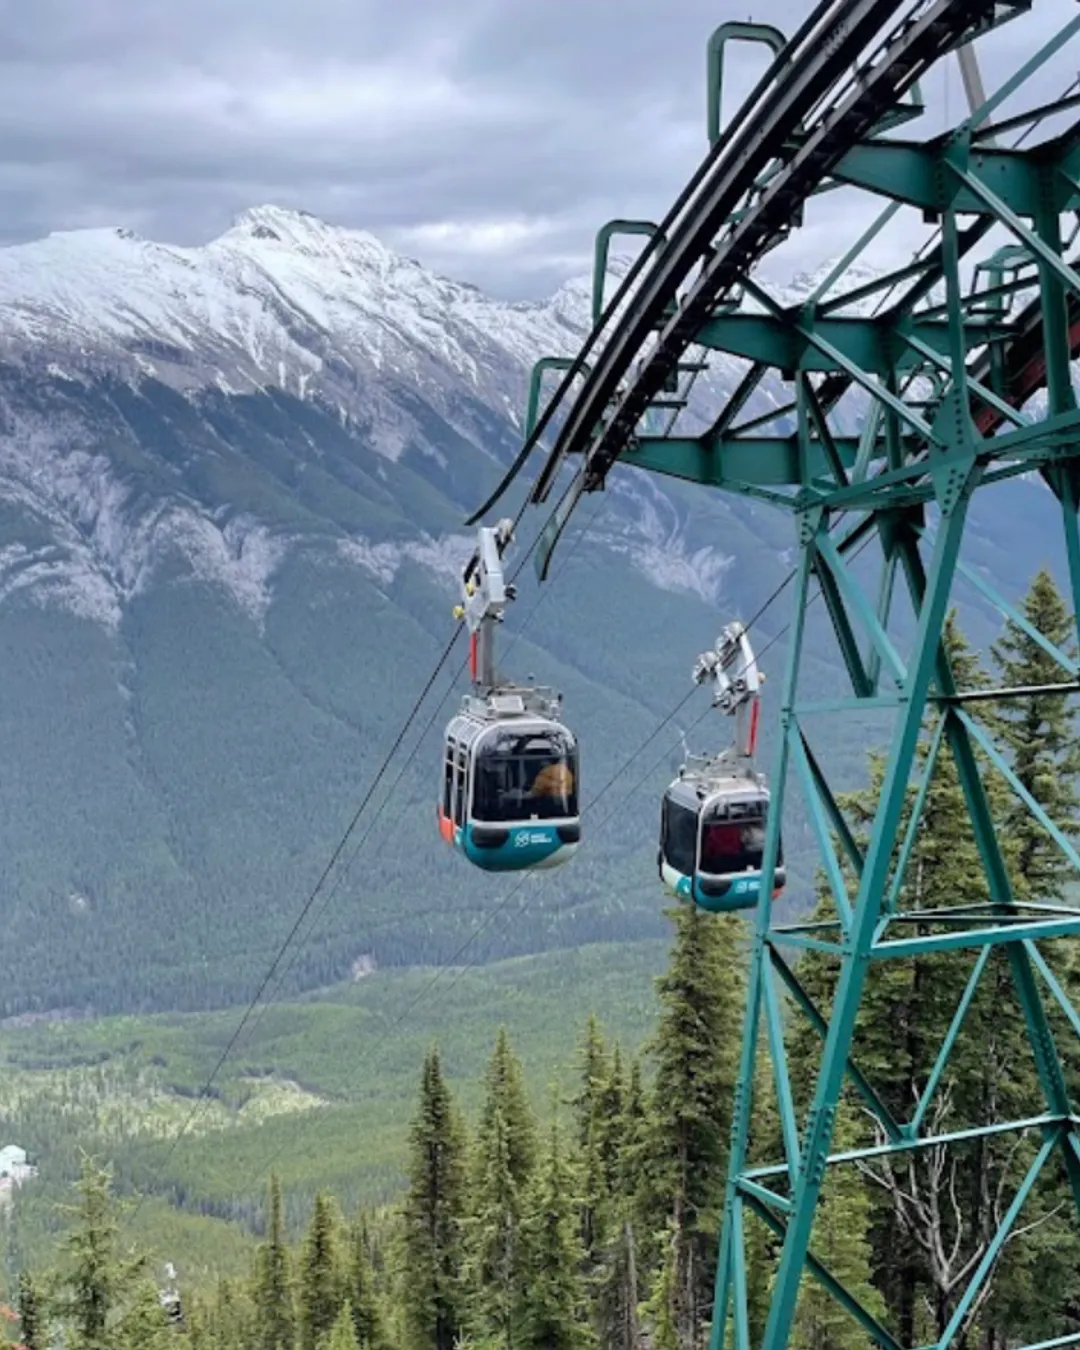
pixel 729 847
pixel 554 780
pixel 720 848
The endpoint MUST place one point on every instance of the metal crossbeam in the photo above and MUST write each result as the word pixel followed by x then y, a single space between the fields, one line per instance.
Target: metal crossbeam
pixel 780 341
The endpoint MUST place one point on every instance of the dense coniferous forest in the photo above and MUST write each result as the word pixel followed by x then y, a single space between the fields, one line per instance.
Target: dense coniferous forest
pixel 588 1221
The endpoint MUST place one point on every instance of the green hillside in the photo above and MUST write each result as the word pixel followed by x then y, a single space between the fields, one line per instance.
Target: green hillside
pixel 319 1089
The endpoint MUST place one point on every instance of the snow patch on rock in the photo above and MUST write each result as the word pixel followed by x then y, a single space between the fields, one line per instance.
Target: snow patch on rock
pixel 445 557
pixel 105 541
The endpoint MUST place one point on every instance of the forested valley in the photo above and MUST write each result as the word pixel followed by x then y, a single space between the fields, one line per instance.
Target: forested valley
pixel 589 1220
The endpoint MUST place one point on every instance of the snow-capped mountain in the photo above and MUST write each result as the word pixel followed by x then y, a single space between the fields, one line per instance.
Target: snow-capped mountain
pixel 232 481
pixel 281 305
pixel 281 300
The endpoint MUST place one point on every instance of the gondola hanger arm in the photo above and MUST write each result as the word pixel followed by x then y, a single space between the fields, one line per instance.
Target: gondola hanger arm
pixel 732 667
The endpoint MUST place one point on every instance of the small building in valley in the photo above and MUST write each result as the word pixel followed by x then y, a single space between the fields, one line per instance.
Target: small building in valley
pixel 14 1166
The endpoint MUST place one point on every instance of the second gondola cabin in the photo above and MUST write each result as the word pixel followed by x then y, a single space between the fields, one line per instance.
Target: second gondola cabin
pixel 510 796
pixel 712 840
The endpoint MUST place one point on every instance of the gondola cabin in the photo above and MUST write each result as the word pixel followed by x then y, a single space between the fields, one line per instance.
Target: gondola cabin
pixel 510 795
pixel 712 836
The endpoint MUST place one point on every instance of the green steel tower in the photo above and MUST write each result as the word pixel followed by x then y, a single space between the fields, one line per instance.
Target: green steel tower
pixel 903 396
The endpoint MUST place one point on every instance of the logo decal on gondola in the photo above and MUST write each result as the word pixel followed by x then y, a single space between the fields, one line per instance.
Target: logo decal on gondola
pixel 527 837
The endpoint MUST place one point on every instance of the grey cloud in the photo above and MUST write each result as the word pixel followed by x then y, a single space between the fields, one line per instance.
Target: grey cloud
pixel 392 115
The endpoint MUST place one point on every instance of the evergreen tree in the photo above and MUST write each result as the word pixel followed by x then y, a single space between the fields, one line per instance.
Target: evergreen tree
pixel 907 1006
pixel 631 1183
pixel 199 1326
pixel 197 1330
pixel 367 1316
pixel 275 1317
pixel 664 1302
pixel 696 1053
pixel 610 1112
pixel 343 1333
pixel 553 1304
pixel 320 1277
pixel 618 1293
pixel 144 1325
pixel 991 1074
pixel 33 1331
pixel 503 1158
pixel 593 1071
pixel 840 1242
pixel 760 1246
pixel 94 1278
pixel 504 1092
pixel 592 1187
pixel 234 1321
pixel 617 1280
pixel 1040 732
pixel 433 1217
pixel 1035 1281
pixel 765 1146
pixel 494 1261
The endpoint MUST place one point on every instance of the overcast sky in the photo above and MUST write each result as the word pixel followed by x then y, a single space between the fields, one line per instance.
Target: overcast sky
pixel 489 138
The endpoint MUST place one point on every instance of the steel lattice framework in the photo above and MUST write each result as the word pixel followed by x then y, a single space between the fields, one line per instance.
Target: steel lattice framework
pixel 945 357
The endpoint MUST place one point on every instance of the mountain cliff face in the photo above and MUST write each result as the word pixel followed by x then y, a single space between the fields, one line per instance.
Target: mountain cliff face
pixel 232 480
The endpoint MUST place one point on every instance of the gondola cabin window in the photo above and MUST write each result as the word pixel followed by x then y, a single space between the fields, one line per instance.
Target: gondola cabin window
pixel 460 784
pixel 680 836
pixel 448 780
pixel 525 775
pixel 733 838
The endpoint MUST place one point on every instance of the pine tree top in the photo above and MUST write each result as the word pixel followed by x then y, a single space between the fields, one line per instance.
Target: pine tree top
pixel 343 1333
pixel 506 1097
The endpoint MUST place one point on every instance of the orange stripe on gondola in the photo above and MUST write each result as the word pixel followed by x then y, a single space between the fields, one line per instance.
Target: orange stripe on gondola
pixel 446 828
